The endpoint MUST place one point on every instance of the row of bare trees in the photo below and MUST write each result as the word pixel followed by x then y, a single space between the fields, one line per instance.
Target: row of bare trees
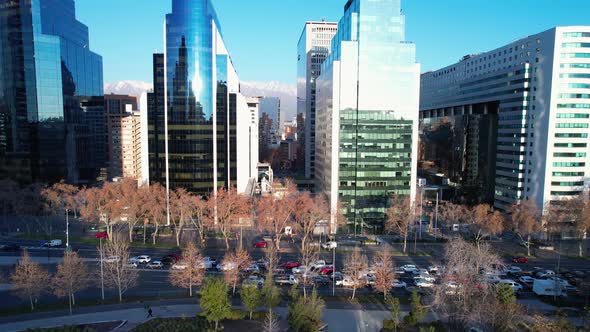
pixel 481 221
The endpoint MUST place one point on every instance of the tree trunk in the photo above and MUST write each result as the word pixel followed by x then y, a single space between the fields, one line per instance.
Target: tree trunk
pixel 216 323
pixel 250 315
pixel 226 238
pixel 177 231
pixel 353 292
pixel 144 231
pixel 155 235
pixel 70 303
pixel 73 299
pixel 130 233
pixel 405 242
pixel 120 295
pixel 580 251
pixel 233 293
pixel 528 245
pixel 32 305
pixel 278 242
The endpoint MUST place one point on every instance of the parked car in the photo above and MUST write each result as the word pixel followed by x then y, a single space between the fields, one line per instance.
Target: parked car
pixel 527 280
pixel 208 263
pixel 318 264
pixel 319 281
pixel 172 257
pixel 423 283
pixel 179 266
pixel 286 279
pixel 493 279
pixel 521 260
pixel 433 269
pixel 330 245
pixel 427 277
pixel 102 235
pixel 513 269
pixel 398 284
pixel 409 268
pixel 253 269
pixel 290 265
pixel 132 265
pixel 337 276
pixel 345 282
pixel 399 270
pixel 420 271
pixel 328 269
pixel 143 259
pixel 111 259
pixel 53 243
pixel 545 274
pixel 516 287
pixel 11 248
pixel 254 280
pixel 543 287
pixel 168 260
pixel 299 269
pixel 154 265
pixel 260 244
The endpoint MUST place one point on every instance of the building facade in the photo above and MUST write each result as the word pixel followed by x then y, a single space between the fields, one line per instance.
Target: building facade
pixel 124 137
pixel 203 112
pixel 313 48
pixel 367 113
pixel 271 106
pixel 52 124
pixel 535 92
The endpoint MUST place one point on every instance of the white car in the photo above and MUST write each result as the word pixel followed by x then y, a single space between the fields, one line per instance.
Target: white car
pixel 254 280
pixel 143 259
pixel 423 283
pixel 226 266
pixel 253 268
pixel 131 265
pixel 409 268
pixel 451 288
pixel 330 245
pixel 433 269
pixel 399 270
pixel 516 287
pixel 527 280
pixel 179 266
pixel 420 271
pixel 426 277
pixel 345 282
pixel 208 263
pixel 319 264
pixel 299 270
pixel 111 259
pixel 513 269
pixel 154 265
pixel 398 284
pixel 545 274
pixel 493 279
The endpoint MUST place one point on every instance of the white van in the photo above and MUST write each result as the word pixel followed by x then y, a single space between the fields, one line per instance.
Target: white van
pixel 548 288
pixel 53 243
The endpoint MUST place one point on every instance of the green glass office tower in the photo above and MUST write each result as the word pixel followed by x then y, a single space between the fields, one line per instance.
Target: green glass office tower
pixel 52 124
pixel 367 113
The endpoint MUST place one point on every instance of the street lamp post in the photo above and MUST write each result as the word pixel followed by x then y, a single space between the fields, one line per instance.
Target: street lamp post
pixel 101 270
pixel 420 216
pixel 436 217
pixel 67 230
pixel 334 270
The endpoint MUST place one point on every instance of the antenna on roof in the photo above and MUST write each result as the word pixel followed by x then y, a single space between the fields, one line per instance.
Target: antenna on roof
pixel 323 19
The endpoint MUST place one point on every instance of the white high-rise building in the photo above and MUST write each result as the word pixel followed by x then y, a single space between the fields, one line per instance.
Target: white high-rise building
pixel 367 114
pixel 313 48
pixel 535 95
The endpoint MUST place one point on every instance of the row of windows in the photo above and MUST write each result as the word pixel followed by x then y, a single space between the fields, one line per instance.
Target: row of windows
pixel 573 115
pixel 576 86
pixel 576 34
pixel 575 95
pixel 565 193
pixel 575 65
pixel 573 105
pixel 570 145
pixel 571 125
pixel 567 184
pixel 571 135
pixel 575 45
pixel 569 164
pixel 575 55
pixel 568 174
pixel 574 75
pixel 570 154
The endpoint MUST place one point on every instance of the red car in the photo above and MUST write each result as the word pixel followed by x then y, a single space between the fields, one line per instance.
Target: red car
pixel 290 265
pixel 327 270
pixel 102 235
pixel 260 244
pixel 520 260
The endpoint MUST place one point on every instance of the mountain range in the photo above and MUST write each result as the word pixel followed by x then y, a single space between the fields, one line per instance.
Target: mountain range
pixel 286 92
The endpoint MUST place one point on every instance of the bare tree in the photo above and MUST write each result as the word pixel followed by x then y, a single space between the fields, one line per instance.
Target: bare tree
pixel 400 217
pixel 71 277
pixel 233 264
pixel 309 255
pixel 200 217
pixel 384 273
pixel 192 272
pixel 182 207
pixel 274 213
pixel 59 199
pixel 483 222
pixel 308 212
pixel 156 208
pixel 524 217
pixel 118 273
pixel 98 206
pixel 9 191
pixel 578 214
pixel 228 206
pixel 464 297
pixel 271 324
pixel 130 203
pixel 29 279
pixel 354 265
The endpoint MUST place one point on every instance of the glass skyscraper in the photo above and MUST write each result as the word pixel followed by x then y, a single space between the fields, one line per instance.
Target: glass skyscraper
pixel 367 113
pixel 202 108
pixel 52 124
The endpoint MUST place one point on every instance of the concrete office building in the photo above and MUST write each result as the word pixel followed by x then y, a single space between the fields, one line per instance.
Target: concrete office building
pixel 197 117
pixel 124 137
pixel 533 97
pixel 271 106
pixel 367 114
pixel 313 48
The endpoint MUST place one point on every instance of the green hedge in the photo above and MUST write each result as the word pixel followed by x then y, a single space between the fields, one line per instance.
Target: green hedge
pixel 197 324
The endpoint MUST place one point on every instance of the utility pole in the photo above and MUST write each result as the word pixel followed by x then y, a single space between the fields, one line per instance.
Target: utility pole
pixel 67 230
pixel 420 217
pixel 436 217
pixel 101 270
pixel 334 270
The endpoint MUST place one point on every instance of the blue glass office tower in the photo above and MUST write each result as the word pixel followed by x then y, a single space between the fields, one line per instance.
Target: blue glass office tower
pixel 367 113
pixel 204 112
pixel 52 125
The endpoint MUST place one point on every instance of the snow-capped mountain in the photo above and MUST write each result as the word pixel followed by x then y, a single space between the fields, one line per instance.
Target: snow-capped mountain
pixel 132 88
pixel 287 93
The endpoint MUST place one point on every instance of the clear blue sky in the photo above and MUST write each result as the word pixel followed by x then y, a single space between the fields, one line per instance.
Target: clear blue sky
pixel 262 35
